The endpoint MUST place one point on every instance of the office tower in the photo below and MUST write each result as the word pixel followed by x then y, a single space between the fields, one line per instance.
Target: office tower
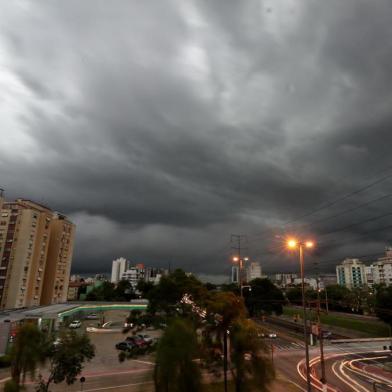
pixel 119 266
pixel 351 273
pixel 234 274
pixel 253 271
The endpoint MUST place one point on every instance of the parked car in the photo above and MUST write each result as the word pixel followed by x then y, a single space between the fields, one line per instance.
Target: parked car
pixel 92 316
pixel 327 334
pixel 146 338
pixel 136 341
pixel 57 342
pixel 125 346
pixel 75 324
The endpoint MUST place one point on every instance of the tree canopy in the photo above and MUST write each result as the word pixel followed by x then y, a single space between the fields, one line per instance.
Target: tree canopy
pixel 170 289
pixel 175 369
pixel 264 297
pixel 383 304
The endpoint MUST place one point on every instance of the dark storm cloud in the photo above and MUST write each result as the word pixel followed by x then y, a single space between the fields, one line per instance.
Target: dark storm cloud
pixel 161 127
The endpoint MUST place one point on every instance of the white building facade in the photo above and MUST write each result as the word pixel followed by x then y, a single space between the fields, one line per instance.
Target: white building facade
pixel 382 269
pixel 351 273
pixel 253 271
pixel 119 266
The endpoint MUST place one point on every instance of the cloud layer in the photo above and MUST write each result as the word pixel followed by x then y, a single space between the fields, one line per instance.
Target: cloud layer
pixel 161 127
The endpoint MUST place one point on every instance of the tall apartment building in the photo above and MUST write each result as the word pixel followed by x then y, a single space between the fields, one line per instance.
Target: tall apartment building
pixel 351 273
pixel 58 260
pixel 119 266
pixel 382 269
pixel 35 253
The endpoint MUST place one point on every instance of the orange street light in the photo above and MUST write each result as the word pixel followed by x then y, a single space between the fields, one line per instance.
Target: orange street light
pixel 300 245
pixel 309 244
pixel 292 243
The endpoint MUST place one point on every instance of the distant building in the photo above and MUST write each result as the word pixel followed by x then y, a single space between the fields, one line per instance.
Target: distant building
pixel 382 268
pixel 253 271
pixel 235 274
pixel 369 275
pixel 36 246
pixel 284 279
pixel 310 282
pixel 327 280
pixel 351 273
pixel 138 272
pixel 73 290
pixel 119 266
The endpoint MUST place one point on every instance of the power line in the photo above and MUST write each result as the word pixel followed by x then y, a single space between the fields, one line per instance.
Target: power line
pixel 346 211
pixel 356 224
pixel 339 199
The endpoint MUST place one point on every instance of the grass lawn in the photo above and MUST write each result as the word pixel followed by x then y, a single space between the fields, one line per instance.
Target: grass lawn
pixel 372 328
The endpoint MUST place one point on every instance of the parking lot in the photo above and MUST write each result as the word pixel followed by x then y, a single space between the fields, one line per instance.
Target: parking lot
pixel 106 355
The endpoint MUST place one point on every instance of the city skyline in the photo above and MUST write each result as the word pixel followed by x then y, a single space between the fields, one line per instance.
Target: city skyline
pixel 160 140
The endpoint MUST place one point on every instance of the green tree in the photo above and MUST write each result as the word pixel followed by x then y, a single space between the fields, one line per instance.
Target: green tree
pixel 339 298
pixel 66 359
pixel 383 304
pixel 27 351
pixel 144 287
pixel 168 292
pixel 124 291
pixel 175 368
pixel 251 367
pixel 223 309
pixel 264 297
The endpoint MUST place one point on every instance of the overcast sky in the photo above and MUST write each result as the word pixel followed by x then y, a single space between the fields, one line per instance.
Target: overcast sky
pixel 162 127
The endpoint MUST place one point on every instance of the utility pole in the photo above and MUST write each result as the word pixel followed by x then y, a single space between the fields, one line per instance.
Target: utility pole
pixel 237 238
pixel 326 299
pixel 225 359
pixel 320 335
pixel 301 261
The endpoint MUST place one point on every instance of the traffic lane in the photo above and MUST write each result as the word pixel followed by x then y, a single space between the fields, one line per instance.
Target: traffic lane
pixel 285 363
pixel 133 380
pixel 374 360
pixel 281 333
pixel 338 378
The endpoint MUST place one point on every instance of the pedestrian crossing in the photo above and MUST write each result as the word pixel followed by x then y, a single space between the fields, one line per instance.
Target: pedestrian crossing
pixel 288 346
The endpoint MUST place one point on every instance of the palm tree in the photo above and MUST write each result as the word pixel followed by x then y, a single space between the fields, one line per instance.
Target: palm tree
pixel 251 367
pixel 175 369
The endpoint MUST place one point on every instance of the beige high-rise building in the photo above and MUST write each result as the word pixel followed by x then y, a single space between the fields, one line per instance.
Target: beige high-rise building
pixel 33 255
pixel 58 261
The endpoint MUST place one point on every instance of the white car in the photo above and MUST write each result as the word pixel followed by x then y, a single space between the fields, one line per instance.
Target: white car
pixel 92 316
pixel 146 338
pixel 75 324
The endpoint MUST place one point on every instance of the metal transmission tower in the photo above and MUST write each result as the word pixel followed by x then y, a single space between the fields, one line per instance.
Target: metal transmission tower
pixel 237 240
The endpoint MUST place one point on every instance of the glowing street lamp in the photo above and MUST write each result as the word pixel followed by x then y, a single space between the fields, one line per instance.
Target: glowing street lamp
pixel 293 243
pixel 241 261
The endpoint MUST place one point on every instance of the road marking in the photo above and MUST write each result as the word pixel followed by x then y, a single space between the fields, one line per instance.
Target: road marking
pixel 351 380
pixel 118 386
pixel 297 385
pixel 367 374
pixel 145 362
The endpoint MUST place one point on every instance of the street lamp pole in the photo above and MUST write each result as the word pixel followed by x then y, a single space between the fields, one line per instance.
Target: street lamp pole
pixel 240 261
pixel 300 245
pixel 301 262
